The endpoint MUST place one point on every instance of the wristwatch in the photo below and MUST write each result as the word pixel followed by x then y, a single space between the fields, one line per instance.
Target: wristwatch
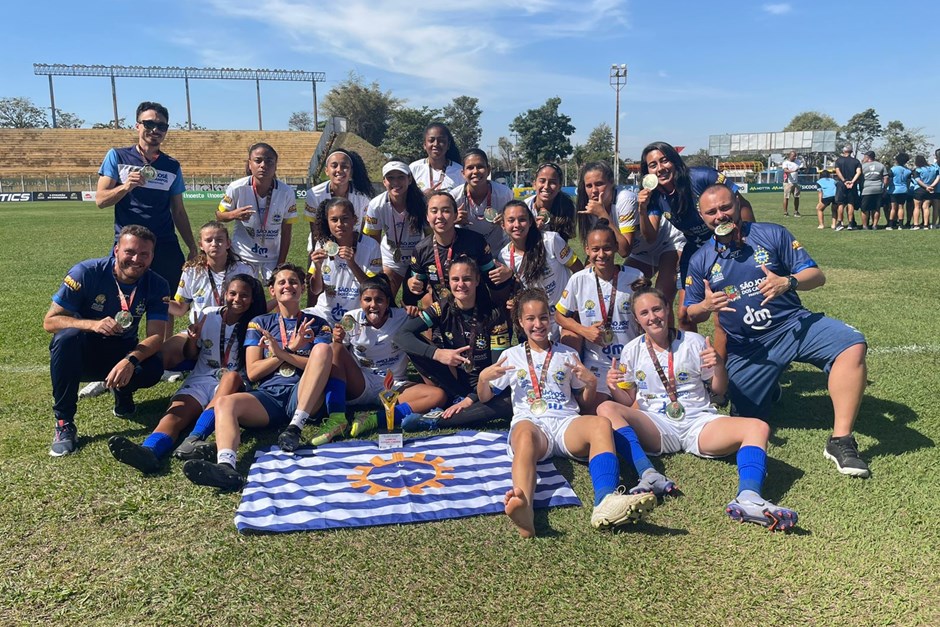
pixel 133 360
pixel 794 283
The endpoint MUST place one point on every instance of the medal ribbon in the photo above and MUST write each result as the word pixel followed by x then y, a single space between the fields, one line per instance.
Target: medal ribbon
pixel 399 232
pixel 472 205
pixel 215 291
pixel 285 336
pixel 143 155
pixel 537 382
pixel 224 354
pixel 668 382
pixel 607 313
pixel 431 184
pixel 262 215
pixel 512 257
pixel 472 336
pixel 442 278
pixel 126 302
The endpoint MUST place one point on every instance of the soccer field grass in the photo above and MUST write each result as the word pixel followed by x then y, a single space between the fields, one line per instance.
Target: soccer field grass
pixel 86 540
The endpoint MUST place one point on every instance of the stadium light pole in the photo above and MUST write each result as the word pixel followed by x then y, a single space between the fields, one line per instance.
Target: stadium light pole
pixel 618 78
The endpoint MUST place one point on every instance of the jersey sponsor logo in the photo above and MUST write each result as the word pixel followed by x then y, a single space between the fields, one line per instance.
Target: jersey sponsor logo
pixel 72 284
pixel 254 326
pixel 688 280
pixel 559 376
pixel 716 274
pixel 761 256
pixel 371 220
pixel 564 293
pixel 682 377
pixel 796 245
pixel 623 218
pixel 227 200
pixel 260 250
pixel 757 319
pixel 640 375
pixel 182 283
pixel 565 252
pixel 720 180
pixel 376 262
pixel 732 293
pixel 98 305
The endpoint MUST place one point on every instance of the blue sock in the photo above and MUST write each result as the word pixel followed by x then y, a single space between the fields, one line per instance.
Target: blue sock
pixel 605 474
pixel 402 410
pixel 160 443
pixel 752 466
pixel 628 447
pixel 335 396
pixel 205 425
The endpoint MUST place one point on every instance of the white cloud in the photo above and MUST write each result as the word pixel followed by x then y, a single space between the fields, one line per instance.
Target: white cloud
pixel 778 9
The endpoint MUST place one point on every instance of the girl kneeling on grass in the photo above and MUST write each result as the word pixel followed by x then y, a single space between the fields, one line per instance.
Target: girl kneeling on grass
pixel 278 346
pixel 665 371
pixel 363 356
pixel 215 341
pixel 542 375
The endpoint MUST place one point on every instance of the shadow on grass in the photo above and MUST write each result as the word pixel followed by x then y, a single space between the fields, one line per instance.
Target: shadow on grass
pixel 886 421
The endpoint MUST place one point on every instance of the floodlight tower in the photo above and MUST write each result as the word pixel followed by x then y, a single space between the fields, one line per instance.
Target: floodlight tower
pixel 618 78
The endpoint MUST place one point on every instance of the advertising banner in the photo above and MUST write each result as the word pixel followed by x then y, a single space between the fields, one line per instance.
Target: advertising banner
pixel 16 197
pixel 44 196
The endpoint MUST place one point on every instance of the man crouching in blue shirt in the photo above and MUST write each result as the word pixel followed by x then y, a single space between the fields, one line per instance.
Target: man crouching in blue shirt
pixel 750 274
pixel 94 318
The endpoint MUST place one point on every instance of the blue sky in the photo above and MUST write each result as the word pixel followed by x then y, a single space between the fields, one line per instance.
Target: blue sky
pixel 695 68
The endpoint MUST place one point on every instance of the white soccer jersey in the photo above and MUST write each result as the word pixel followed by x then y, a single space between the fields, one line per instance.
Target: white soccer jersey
pixel 687 366
pixel 340 287
pixel 557 271
pixel 493 232
pixel 624 214
pixel 580 297
pixel 258 240
pixel 318 193
pixel 559 381
pixel 373 348
pixel 383 219
pixel 427 178
pixel 200 287
pixel 216 338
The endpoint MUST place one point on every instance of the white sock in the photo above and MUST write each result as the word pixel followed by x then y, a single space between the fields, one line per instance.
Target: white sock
pixel 299 419
pixel 226 456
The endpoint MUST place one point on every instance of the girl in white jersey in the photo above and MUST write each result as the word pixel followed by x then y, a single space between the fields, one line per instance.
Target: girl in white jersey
pixel 480 201
pixel 215 341
pixel 264 210
pixel 544 376
pixel 442 170
pixel 594 307
pixel 397 219
pixel 341 261
pixel 346 178
pixel 665 372
pixel 553 209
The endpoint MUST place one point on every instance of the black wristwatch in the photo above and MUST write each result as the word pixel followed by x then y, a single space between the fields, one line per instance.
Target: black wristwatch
pixel 133 359
pixel 794 283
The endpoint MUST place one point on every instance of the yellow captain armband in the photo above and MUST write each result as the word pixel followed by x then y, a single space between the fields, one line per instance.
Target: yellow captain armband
pixel 626 385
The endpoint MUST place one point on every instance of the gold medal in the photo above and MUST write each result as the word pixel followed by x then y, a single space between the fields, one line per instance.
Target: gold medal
pixel 348 323
pixel 490 214
pixel 650 182
pixel 538 407
pixel 124 318
pixel 331 248
pixel 220 372
pixel 148 173
pixel 469 366
pixel 725 228
pixel 444 292
pixel 286 370
pixel 545 217
pixel 675 410
pixel 608 336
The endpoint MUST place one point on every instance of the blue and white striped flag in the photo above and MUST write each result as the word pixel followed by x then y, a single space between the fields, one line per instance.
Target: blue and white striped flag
pixel 354 484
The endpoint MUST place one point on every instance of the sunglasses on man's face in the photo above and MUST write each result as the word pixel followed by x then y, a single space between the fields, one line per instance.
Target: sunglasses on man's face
pixel 153 125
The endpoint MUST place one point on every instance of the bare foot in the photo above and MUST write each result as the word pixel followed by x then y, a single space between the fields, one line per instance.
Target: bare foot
pixel 520 512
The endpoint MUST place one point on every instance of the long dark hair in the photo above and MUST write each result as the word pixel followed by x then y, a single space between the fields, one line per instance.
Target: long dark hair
pixel 585 221
pixel 453 150
pixel 358 174
pixel 685 200
pixel 258 306
pixel 416 206
pixel 534 260
pixel 321 228
pixel 562 211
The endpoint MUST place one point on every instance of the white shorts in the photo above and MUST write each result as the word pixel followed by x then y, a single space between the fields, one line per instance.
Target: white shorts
pixel 398 267
pixel 264 270
pixel 201 387
pixel 682 435
pixel 554 430
pixel 375 383
pixel 600 371
pixel 669 239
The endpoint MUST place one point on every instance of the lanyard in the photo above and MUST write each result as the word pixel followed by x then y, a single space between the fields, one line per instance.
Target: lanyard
pixel 537 383
pixel 144 156
pixel 231 340
pixel 512 257
pixel 668 382
pixel 472 336
pixel 262 215
pixel 215 291
pixel 431 183
pixel 285 336
pixel 126 302
pixel 437 259
pixel 399 231
pixel 472 205
pixel 607 313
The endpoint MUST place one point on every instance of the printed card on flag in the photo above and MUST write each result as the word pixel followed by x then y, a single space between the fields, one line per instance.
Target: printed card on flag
pixel 354 484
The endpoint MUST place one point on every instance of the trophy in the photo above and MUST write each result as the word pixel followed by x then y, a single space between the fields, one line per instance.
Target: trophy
pixel 389 398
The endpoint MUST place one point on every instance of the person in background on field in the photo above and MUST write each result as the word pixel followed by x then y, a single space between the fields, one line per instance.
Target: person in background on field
pixel 442 170
pixel 480 201
pixel 827 198
pixel 849 173
pixel 94 320
pixel 347 178
pixel 553 209
pixel 926 177
pixel 875 177
pixel 791 183
pixel 264 210
pixel 751 275
pixel 397 220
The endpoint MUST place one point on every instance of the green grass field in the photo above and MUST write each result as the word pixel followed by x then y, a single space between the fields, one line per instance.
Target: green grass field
pixel 86 540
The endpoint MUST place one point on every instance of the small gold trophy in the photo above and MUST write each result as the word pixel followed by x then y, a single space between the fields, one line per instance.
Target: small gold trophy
pixel 389 398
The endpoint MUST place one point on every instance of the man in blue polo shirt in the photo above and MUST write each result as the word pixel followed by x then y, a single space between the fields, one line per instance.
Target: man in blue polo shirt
pixel 750 273
pixel 94 318
pixel 145 187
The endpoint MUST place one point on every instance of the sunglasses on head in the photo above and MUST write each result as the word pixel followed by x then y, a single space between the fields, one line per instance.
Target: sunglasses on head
pixel 153 125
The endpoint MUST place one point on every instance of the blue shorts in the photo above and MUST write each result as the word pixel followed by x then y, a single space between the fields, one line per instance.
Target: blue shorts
pixel 280 401
pixel 684 260
pixel 754 368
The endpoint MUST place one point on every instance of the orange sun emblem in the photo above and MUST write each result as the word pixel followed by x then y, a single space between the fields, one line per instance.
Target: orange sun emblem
pixel 385 475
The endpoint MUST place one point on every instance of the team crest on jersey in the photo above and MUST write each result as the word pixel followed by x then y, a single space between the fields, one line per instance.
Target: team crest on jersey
pixel 448 335
pixel 559 376
pixel 140 309
pixel 481 342
pixel 589 305
pixel 682 377
pixel 796 245
pixel 732 292
pixel 327 269
pixel 624 306
pixel 716 274
pixel 73 285
pixel 521 374
pixel 640 375
pixel 564 293
pixel 761 256
pixel 688 280
pixel 207 343
pixel 250 230
pixel 98 305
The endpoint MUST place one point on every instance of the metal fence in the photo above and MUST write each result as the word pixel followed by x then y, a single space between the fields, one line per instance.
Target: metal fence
pixel 89 182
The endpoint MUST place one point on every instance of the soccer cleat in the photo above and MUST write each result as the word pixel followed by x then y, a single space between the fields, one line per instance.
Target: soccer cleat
pixel 763 513
pixel 840 227
pixel 844 452
pixel 193 447
pixel 363 422
pixel 423 422
pixel 332 428
pixel 797 214
pixel 654 483
pixel 93 389
pixel 65 440
pixel 123 404
pixel 221 476
pixel 618 508
pixel 134 455
pixel 289 439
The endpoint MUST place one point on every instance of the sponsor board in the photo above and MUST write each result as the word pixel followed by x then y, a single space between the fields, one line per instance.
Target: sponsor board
pixel 777 187
pixel 16 197
pixel 89 196
pixel 46 196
